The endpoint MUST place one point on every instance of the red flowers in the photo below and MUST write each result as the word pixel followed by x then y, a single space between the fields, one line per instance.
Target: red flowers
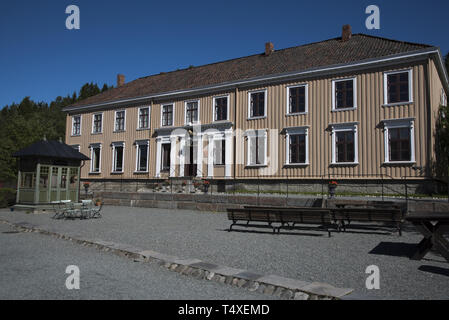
pixel 333 183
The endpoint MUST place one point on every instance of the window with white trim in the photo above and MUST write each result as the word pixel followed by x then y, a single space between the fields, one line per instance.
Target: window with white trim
pixel 95 156
pixel 257 148
pixel 443 98
pixel 344 144
pixel 297 99
pixel 221 108
pixel 120 118
pixel 144 118
pixel 297 146
pixel 167 112
pixel 97 123
pixel 77 147
pixel 165 157
pixel 192 112
pixel 399 140
pixel 344 94
pixel 76 125
pixel 142 149
pixel 257 104
pixel 398 87
pixel 118 153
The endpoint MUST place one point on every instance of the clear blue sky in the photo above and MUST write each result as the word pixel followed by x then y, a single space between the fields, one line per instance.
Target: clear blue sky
pixel 40 58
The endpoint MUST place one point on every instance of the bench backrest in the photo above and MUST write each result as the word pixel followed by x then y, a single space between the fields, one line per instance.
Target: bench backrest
pixel 298 215
pixel 368 214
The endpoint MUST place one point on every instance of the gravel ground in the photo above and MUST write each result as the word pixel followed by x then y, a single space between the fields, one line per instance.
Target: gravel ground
pixel 305 255
pixel 33 267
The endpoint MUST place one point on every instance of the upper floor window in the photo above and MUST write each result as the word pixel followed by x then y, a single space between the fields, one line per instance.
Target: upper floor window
pixel 192 112
pixel 344 144
pixel 120 117
pixel 399 140
pixel 257 104
pixel 297 99
pixel 398 87
pixel 345 94
pixel 297 145
pixel 221 105
pixel 167 115
pixel 97 125
pixel 257 148
pixel 76 125
pixel 144 118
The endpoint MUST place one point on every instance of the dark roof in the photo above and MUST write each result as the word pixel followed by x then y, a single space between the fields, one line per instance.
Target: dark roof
pixel 300 58
pixel 51 149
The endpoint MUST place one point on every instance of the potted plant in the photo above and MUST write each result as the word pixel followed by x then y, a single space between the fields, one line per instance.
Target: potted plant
pixel 196 185
pixel 86 186
pixel 98 202
pixel 332 186
pixel 206 185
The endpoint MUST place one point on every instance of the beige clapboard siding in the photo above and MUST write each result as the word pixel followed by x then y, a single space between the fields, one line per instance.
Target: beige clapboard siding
pixel 369 114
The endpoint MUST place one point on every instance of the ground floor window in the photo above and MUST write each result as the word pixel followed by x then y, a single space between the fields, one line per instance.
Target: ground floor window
pixel 165 163
pixel 297 145
pixel 95 157
pixel 118 154
pixel 219 152
pixel 257 147
pixel 142 156
pixel 399 144
pixel 344 144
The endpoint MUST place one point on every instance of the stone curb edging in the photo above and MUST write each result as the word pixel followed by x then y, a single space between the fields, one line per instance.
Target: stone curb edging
pixel 278 286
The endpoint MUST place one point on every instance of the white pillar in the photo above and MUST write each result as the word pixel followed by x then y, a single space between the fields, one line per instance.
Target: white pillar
pixel 158 157
pixel 173 156
pixel 199 156
pixel 228 153
pixel 182 156
pixel 210 157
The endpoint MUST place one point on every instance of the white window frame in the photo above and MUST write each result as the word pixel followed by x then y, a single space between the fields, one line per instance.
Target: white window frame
pixel 291 132
pixel 173 113
pixel 92 147
pixel 114 145
pixel 443 98
pixel 73 125
pixel 227 96
pixel 410 87
pixel 354 91
pixel 306 109
pixel 140 143
pixel 185 112
pixel 124 120
pixel 138 118
pixel 339 127
pixel 77 147
pixel 251 134
pixel 399 123
pixel 265 91
pixel 93 122
pixel 218 137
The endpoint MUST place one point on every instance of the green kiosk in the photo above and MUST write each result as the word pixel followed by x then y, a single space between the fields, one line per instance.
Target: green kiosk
pixel 48 171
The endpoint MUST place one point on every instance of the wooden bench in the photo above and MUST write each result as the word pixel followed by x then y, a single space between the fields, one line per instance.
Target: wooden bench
pixel 383 215
pixel 285 217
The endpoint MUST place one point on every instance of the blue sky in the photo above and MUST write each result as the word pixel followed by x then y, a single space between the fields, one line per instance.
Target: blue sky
pixel 42 59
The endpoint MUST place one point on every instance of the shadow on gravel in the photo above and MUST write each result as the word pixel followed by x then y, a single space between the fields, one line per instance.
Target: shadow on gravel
pixel 397 249
pixel 274 234
pixel 436 270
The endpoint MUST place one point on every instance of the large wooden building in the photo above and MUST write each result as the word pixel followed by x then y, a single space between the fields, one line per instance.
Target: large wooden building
pixel 357 106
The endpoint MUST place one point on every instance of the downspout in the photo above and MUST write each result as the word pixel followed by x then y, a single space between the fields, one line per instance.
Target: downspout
pixel 235 130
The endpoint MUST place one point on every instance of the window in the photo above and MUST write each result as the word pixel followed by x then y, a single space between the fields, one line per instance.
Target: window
pixel 167 115
pixel 443 98
pixel 117 156
pixel 398 87
pixel 166 149
pixel 344 144
pixel 120 120
pixel 28 180
pixel 142 156
pixel 43 177
pixel 297 99
pixel 219 152
pixel 77 147
pixel 297 145
pixel 95 156
pixel 144 118
pixel 257 104
pixel 221 108
pixel 257 148
pixel 399 140
pixel 345 94
pixel 97 125
pixel 191 112
pixel 76 125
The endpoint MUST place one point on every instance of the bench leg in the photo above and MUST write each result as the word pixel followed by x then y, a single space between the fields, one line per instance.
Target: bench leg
pixel 399 229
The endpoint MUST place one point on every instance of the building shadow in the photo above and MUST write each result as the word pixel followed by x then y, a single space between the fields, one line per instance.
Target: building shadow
pixel 396 249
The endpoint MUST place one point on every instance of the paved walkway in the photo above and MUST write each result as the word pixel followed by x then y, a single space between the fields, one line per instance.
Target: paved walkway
pixel 305 255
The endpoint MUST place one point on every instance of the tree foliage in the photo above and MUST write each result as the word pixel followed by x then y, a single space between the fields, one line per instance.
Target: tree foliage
pixel 29 121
